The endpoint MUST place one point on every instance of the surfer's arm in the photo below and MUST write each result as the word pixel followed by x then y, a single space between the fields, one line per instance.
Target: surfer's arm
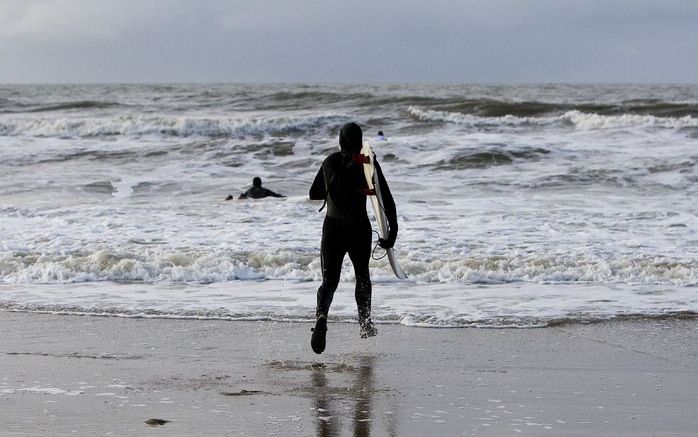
pixel 388 205
pixel 318 191
pixel 268 192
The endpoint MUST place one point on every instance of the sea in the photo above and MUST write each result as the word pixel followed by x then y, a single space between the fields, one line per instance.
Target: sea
pixel 518 205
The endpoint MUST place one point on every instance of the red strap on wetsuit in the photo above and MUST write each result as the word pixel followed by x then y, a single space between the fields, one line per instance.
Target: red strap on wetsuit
pixel 361 159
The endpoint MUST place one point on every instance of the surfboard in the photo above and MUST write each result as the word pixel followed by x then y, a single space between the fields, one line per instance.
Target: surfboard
pixel 378 211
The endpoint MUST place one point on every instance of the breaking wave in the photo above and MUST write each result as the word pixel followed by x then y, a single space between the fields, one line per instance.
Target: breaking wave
pixel 501 108
pixel 461 102
pixel 151 266
pixel 489 156
pixel 576 119
pixel 144 125
pixel 14 107
pixel 586 121
pixel 159 265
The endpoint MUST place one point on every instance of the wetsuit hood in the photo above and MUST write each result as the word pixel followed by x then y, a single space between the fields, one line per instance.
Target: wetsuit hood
pixel 351 138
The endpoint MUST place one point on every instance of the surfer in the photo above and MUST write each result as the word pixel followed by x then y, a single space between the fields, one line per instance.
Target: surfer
pixel 341 183
pixel 256 192
pixel 380 136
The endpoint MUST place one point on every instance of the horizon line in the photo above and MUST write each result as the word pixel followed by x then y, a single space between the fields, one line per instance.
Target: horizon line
pixel 357 83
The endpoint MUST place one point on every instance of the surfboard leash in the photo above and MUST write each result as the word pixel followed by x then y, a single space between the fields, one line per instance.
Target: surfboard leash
pixel 376 247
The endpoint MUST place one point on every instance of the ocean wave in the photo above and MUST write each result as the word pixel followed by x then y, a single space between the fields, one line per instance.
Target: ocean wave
pixel 499 108
pixel 656 107
pixel 489 108
pixel 590 121
pixel 577 177
pixel 576 119
pixel 503 269
pixel 479 106
pixel 492 155
pixel 151 265
pixel 57 106
pixel 473 121
pixel 306 97
pixel 145 125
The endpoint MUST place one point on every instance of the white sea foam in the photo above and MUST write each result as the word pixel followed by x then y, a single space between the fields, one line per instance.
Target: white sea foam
pixel 577 119
pixel 471 120
pixel 196 266
pixel 159 125
pixel 427 305
pixel 42 391
pixel 589 121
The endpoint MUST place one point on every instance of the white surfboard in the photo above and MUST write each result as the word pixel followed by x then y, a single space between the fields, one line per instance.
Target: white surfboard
pixel 377 202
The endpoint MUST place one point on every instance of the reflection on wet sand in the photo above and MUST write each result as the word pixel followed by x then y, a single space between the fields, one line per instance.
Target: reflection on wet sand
pixel 363 390
pixel 360 394
pixel 343 394
pixel 325 423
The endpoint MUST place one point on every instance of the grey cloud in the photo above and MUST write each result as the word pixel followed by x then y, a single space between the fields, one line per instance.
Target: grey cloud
pixel 354 41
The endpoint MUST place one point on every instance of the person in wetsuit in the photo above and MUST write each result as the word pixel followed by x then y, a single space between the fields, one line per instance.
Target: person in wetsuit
pixel 256 192
pixel 341 183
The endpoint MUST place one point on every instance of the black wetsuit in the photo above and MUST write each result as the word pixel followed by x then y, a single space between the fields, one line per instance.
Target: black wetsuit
pixel 257 192
pixel 346 229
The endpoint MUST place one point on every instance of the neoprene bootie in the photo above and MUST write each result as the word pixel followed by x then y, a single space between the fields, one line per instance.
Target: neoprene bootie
pixel 317 340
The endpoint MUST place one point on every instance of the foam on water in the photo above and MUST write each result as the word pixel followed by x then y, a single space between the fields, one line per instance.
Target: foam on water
pixel 517 205
pixel 577 119
pixel 179 126
pixel 408 303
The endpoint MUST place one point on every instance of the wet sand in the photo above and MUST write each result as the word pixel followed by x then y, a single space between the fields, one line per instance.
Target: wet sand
pixel 73 375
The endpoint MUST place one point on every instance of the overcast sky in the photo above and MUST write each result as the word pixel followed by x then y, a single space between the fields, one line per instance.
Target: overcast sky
pixel 651 41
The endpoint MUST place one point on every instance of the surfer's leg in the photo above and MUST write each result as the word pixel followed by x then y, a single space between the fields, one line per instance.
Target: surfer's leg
pixel 331 258
pixel 360 254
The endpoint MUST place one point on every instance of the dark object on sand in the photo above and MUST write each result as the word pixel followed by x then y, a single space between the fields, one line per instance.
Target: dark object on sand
pixel 156 422
pixel 241 393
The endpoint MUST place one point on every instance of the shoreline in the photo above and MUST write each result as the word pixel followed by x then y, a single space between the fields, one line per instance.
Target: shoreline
pixel 91 375
pixel 520 305
pixel 537 324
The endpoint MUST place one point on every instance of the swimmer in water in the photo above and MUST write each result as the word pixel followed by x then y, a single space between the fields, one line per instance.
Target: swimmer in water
pixel 256 192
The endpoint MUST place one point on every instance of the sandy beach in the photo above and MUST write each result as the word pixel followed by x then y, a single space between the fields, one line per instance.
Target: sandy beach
pixel 81 375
